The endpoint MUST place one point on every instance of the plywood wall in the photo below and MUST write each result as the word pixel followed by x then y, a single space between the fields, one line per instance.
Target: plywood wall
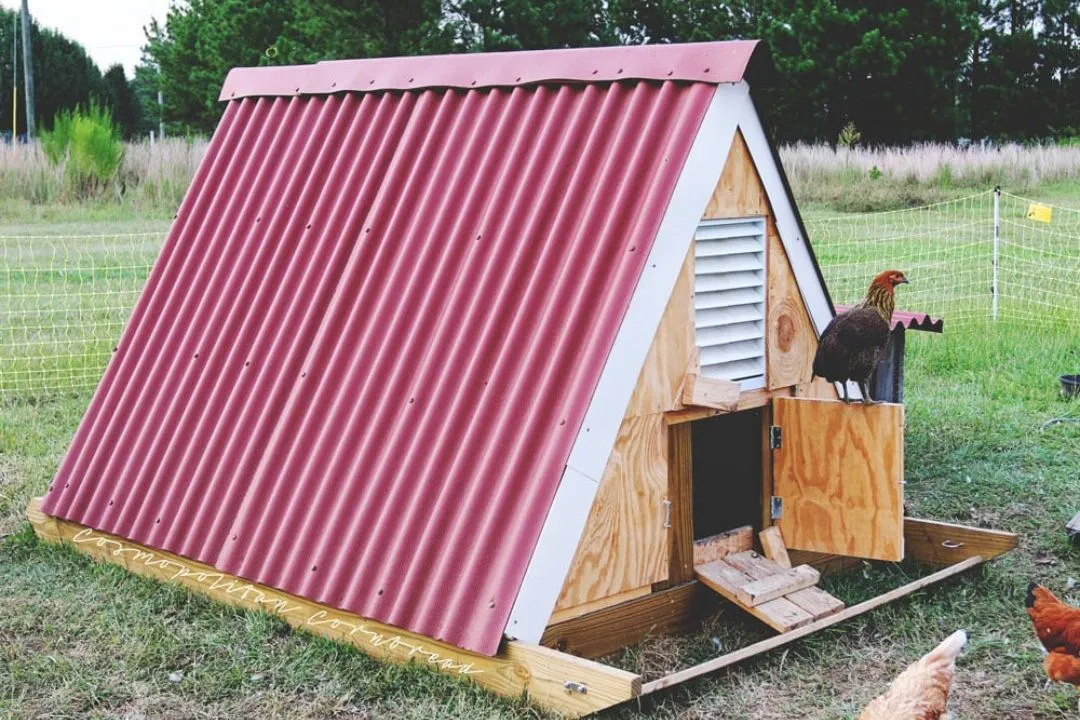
pixel 625 547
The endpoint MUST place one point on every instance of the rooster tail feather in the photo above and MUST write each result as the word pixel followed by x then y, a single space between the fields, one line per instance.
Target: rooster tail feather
pixel 1029 601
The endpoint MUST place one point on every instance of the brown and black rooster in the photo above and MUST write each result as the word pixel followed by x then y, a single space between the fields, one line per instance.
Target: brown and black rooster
pixel 1058 626
pixel 853 342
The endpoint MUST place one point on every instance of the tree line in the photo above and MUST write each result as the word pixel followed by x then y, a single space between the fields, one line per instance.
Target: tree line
pixel 64 78
pixel 900 71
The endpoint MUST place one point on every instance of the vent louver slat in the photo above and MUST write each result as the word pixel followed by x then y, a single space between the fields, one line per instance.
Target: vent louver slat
pixel 729 299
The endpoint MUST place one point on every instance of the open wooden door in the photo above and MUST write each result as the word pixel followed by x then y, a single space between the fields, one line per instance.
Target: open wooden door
pixel 838 474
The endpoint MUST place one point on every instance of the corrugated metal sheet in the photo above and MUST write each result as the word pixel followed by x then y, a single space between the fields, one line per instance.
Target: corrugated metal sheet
pixel 909 320
pixel 706 62
pixel 362 357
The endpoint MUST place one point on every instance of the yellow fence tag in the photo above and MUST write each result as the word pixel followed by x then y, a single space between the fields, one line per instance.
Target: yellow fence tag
pixel 1040 213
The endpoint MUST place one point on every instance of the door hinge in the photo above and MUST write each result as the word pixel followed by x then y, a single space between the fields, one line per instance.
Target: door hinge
pixel 667 513
pixel 776 437
pixel 776 507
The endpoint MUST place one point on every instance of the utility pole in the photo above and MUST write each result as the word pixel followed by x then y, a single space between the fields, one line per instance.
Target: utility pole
pixel 14 77
pixel 28 71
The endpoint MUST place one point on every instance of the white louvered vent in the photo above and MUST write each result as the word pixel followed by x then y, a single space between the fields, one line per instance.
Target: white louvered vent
pixel 729 299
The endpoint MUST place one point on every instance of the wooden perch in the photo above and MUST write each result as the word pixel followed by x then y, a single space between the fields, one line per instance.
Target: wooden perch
pixel 701 391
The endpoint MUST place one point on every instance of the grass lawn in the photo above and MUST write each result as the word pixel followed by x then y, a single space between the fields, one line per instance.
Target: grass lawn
pixel 79 639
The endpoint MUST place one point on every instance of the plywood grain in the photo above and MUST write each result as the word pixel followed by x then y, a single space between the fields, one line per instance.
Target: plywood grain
pixel 659 384
pixel 790 337
pixel 840 475
pixel 739 193
pixel 625 544
pixel 518 668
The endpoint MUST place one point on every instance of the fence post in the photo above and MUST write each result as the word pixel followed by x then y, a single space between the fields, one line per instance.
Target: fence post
pixel 997 242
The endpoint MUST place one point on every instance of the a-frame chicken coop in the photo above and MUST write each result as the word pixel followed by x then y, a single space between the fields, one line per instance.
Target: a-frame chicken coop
pixel 495 363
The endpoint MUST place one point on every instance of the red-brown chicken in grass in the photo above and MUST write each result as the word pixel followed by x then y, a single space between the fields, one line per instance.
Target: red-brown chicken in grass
pixel 853 342
pixel 1058 626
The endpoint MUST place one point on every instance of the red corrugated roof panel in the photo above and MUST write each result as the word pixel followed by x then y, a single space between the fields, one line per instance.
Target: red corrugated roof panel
pixel 366 348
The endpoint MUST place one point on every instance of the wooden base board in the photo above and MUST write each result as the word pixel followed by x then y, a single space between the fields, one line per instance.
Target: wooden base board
pixel 552 679
pixel 676 609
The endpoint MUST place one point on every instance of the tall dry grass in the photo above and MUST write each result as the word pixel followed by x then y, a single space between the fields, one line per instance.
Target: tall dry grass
pixel 869 179
pixel 151 178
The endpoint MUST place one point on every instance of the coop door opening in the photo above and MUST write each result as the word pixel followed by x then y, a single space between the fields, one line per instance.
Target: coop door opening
pixel 727 472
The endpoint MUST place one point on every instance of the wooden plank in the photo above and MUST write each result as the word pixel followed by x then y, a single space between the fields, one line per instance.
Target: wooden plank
pixel 772 543
pixel 840 476
pixel 723 578
pixel 780 614
pixel 753 564
pixel 791 339
pixel 701 391
pixel 816 601
pixel 781 640
pixel 677 609
pixel 519 668
pixel 659 385
pixel 779 585
pixel 938 543
pixel 681 496
pixel 748 400
pixel 717 546
pixel 625 544
pixel 586 608
pixel 824 563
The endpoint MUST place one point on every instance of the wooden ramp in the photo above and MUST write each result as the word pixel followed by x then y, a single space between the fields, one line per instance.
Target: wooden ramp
pixel 779 595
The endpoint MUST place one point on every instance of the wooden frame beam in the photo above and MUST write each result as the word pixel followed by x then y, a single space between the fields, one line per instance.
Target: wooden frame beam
pixel 772 643
pixel 552 679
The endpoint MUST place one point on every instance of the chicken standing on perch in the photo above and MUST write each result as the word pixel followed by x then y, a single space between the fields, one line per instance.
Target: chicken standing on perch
pixel 853 342
pixel 922 691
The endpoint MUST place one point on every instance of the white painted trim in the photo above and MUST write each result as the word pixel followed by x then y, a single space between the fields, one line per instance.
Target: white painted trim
pixel 798 251
pixel 566 520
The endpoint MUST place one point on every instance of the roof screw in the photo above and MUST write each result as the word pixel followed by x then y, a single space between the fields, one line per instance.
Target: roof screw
pixel 633 248
pixel 297 89
pixel 518 80
pixel 308 226
pixel 491 604
pixel 473 82
pixel 233 537
pixel 562 422
pixel 706 69
pixel 619 71
pixel 333 84
pixel 371 82
pixel 595 71
pixel 232 94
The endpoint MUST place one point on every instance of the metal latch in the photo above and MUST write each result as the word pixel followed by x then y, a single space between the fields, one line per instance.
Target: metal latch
pixel 776 437
pixel 776 507
pixel 576 687
pixel 667 513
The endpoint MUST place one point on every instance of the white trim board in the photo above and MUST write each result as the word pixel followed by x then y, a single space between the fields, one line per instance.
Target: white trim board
pixel 795 245
pixel 566 520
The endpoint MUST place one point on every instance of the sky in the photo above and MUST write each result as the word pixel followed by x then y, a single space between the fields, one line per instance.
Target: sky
pixel 110 30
